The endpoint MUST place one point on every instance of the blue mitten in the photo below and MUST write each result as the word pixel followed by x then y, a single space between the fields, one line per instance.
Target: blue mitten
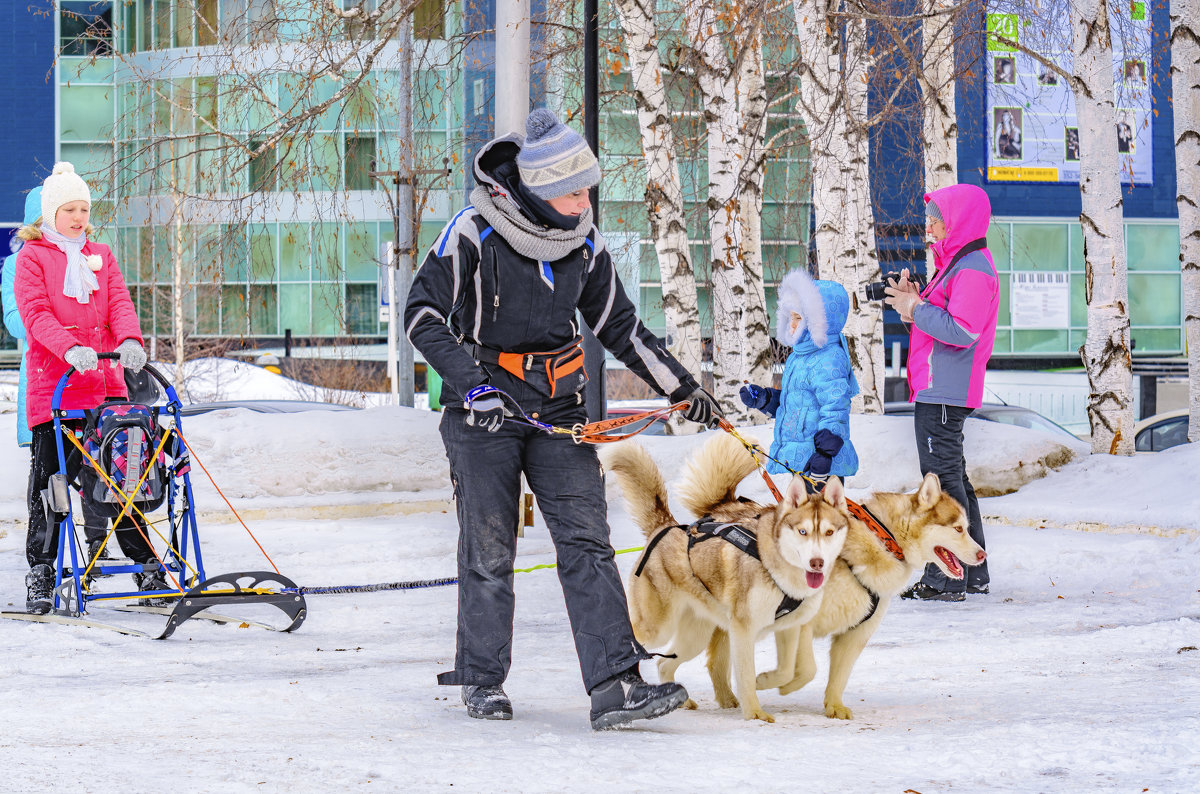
pixel 753 396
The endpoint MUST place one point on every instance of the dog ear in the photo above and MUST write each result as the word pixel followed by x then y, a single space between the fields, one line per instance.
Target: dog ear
pixel 930 492
pixel 834 494
pixel 796 494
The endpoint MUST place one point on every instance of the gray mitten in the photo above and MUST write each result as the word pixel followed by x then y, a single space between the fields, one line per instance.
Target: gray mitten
pixel 81 358
pixel 133 355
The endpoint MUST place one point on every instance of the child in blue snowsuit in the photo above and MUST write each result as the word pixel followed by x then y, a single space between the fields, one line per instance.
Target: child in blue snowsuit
pixel 812 409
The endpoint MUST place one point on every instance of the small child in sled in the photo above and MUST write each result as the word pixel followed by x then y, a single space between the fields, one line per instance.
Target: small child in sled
pixel 812 409
pixel 74 303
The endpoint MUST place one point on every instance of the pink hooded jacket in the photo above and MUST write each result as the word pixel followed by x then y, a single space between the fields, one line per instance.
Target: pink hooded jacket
pixel 55 323
pixel 954 329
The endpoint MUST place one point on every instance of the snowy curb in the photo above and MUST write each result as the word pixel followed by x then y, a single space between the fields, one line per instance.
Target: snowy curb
pixel 1095 526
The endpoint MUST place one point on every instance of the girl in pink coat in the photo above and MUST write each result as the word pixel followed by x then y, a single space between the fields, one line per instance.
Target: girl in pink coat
pixel 74 304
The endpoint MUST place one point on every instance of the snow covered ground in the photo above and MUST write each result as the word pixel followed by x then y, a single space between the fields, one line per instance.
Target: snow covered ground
pixel 1078 673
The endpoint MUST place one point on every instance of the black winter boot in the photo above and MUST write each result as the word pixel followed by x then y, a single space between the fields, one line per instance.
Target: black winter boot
pixel 627 697
pixel 39 584
pixel 151 581
pixel 487 703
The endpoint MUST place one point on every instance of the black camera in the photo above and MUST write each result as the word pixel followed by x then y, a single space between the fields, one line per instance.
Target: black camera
pixel 875 291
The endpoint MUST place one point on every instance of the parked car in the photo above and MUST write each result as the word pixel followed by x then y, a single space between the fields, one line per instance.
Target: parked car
pixel 997 412
pixel 1161 431
pixel 263 406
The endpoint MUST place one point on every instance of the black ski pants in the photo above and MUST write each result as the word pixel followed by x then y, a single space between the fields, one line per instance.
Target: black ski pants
pixel 566 478
pixel 43 462
pixel 939 431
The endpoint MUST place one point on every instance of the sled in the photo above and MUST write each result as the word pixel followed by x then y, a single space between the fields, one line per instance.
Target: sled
pixel 135 462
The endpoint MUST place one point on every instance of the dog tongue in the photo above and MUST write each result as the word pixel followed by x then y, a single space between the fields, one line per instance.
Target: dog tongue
pixel 815 578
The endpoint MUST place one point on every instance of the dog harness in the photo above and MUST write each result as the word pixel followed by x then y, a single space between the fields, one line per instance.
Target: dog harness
pixel 875 525
pixel 742 538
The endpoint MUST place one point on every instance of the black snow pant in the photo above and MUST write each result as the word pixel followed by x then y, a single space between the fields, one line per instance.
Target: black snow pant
pixel 566 479
pixel 939 431
pixel 43 462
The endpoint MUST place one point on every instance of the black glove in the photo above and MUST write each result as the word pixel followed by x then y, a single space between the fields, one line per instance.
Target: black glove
pixel 703 409
pixel 818 464
pixel 485 408
pixel 754 396
pixel 827 443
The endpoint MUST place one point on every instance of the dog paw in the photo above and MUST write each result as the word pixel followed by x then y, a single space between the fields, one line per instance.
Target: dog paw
pixel 838 711
pixel 794 685
pixel 727 701
pixel 770 680
pixel 759 714
pixel 690 705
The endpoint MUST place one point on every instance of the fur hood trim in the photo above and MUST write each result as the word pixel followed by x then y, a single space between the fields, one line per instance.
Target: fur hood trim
pixel 798 293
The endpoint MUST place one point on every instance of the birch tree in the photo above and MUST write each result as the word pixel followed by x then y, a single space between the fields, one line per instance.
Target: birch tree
pixel 735 339
pixel 937 78
pixel 834 67
pixel 1185 91
pixel 664 191
pixel 1106 351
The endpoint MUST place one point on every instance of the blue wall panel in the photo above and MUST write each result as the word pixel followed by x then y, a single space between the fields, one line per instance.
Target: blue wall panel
pixel 27 132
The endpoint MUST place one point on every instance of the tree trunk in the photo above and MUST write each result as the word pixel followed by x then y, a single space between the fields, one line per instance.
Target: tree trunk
pixel 940 129
pixel 752 97
pixel 1106 352
pixel 731 361
pixel 1185 91
pixel 664 192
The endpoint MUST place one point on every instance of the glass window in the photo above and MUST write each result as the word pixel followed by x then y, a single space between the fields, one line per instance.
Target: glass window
pixel 264 309
pixel 1154 299
pixel 1152 246
pixel 429 19
pixel 360 153
pixel 1156 340
pixel 233 310
pixel 233 21
pixel 294 308
pixel 1077 247
pixel 998 243
pixel 362 252
pixel 323 162
pixel 206 23
pixel 1038 341
pixel 208 309
pixel 293 252
pixel 263 172
pixel 234 253
pixel 85 27
pixel 327 316
pixel 362 309
pixel 262 253
pixel 185 23
pixel 326 251
pixel 1039 246
pixel 86 112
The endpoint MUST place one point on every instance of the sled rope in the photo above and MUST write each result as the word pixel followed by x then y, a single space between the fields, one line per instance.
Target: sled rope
pixel 195 457
pixel 599 432
pixel 414 585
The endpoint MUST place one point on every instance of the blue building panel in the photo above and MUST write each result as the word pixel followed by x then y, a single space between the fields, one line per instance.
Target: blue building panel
pixel 27 128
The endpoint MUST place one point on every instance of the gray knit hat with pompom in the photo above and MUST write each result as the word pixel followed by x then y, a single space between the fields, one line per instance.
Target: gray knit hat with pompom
pixel 554 159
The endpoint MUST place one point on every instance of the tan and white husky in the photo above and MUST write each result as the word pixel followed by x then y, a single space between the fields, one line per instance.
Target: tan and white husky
pixel 928 526
pixel 689 583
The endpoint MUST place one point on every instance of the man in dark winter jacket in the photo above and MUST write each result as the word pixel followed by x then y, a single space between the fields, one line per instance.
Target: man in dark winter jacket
pixel 494 305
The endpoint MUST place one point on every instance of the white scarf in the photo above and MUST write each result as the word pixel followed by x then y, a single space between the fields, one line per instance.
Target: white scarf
pixel 79 282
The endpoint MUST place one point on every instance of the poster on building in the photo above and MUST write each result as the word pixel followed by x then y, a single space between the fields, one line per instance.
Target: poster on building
pixel 1033 135
pixel 1040 299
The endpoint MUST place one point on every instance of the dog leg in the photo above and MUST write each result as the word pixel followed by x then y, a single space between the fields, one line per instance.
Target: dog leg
pixel 718 669
pixel 691 635
pixel 786 641
pixel 806 662
pixel 844 651
pixel 741 643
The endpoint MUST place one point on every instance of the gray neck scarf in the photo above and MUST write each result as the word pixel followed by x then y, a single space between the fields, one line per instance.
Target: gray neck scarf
pixel 525 236
pixel 79 282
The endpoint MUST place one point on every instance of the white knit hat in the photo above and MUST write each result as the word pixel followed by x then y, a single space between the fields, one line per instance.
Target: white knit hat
pixel 62 187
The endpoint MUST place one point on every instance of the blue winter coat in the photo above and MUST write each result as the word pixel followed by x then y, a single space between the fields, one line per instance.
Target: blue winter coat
pixel 817 381
pixel 12 317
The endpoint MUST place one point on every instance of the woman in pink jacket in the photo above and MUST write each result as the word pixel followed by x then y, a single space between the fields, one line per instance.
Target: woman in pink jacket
pixel 74 304
pixel 950 341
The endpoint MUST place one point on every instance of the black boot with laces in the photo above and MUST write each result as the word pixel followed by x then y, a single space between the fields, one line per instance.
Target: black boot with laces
pixel 627 697
pixel 487 703
pixel 39 585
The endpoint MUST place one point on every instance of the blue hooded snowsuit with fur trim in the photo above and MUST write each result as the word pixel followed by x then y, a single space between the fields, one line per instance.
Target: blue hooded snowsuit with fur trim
pixel 817 379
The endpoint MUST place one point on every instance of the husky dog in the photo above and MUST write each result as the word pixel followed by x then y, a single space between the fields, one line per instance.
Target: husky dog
pixel 742 579
pixel 927 526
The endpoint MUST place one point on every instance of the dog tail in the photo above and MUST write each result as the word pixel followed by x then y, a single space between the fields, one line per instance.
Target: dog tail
pixel 641 483
pixel 711 476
